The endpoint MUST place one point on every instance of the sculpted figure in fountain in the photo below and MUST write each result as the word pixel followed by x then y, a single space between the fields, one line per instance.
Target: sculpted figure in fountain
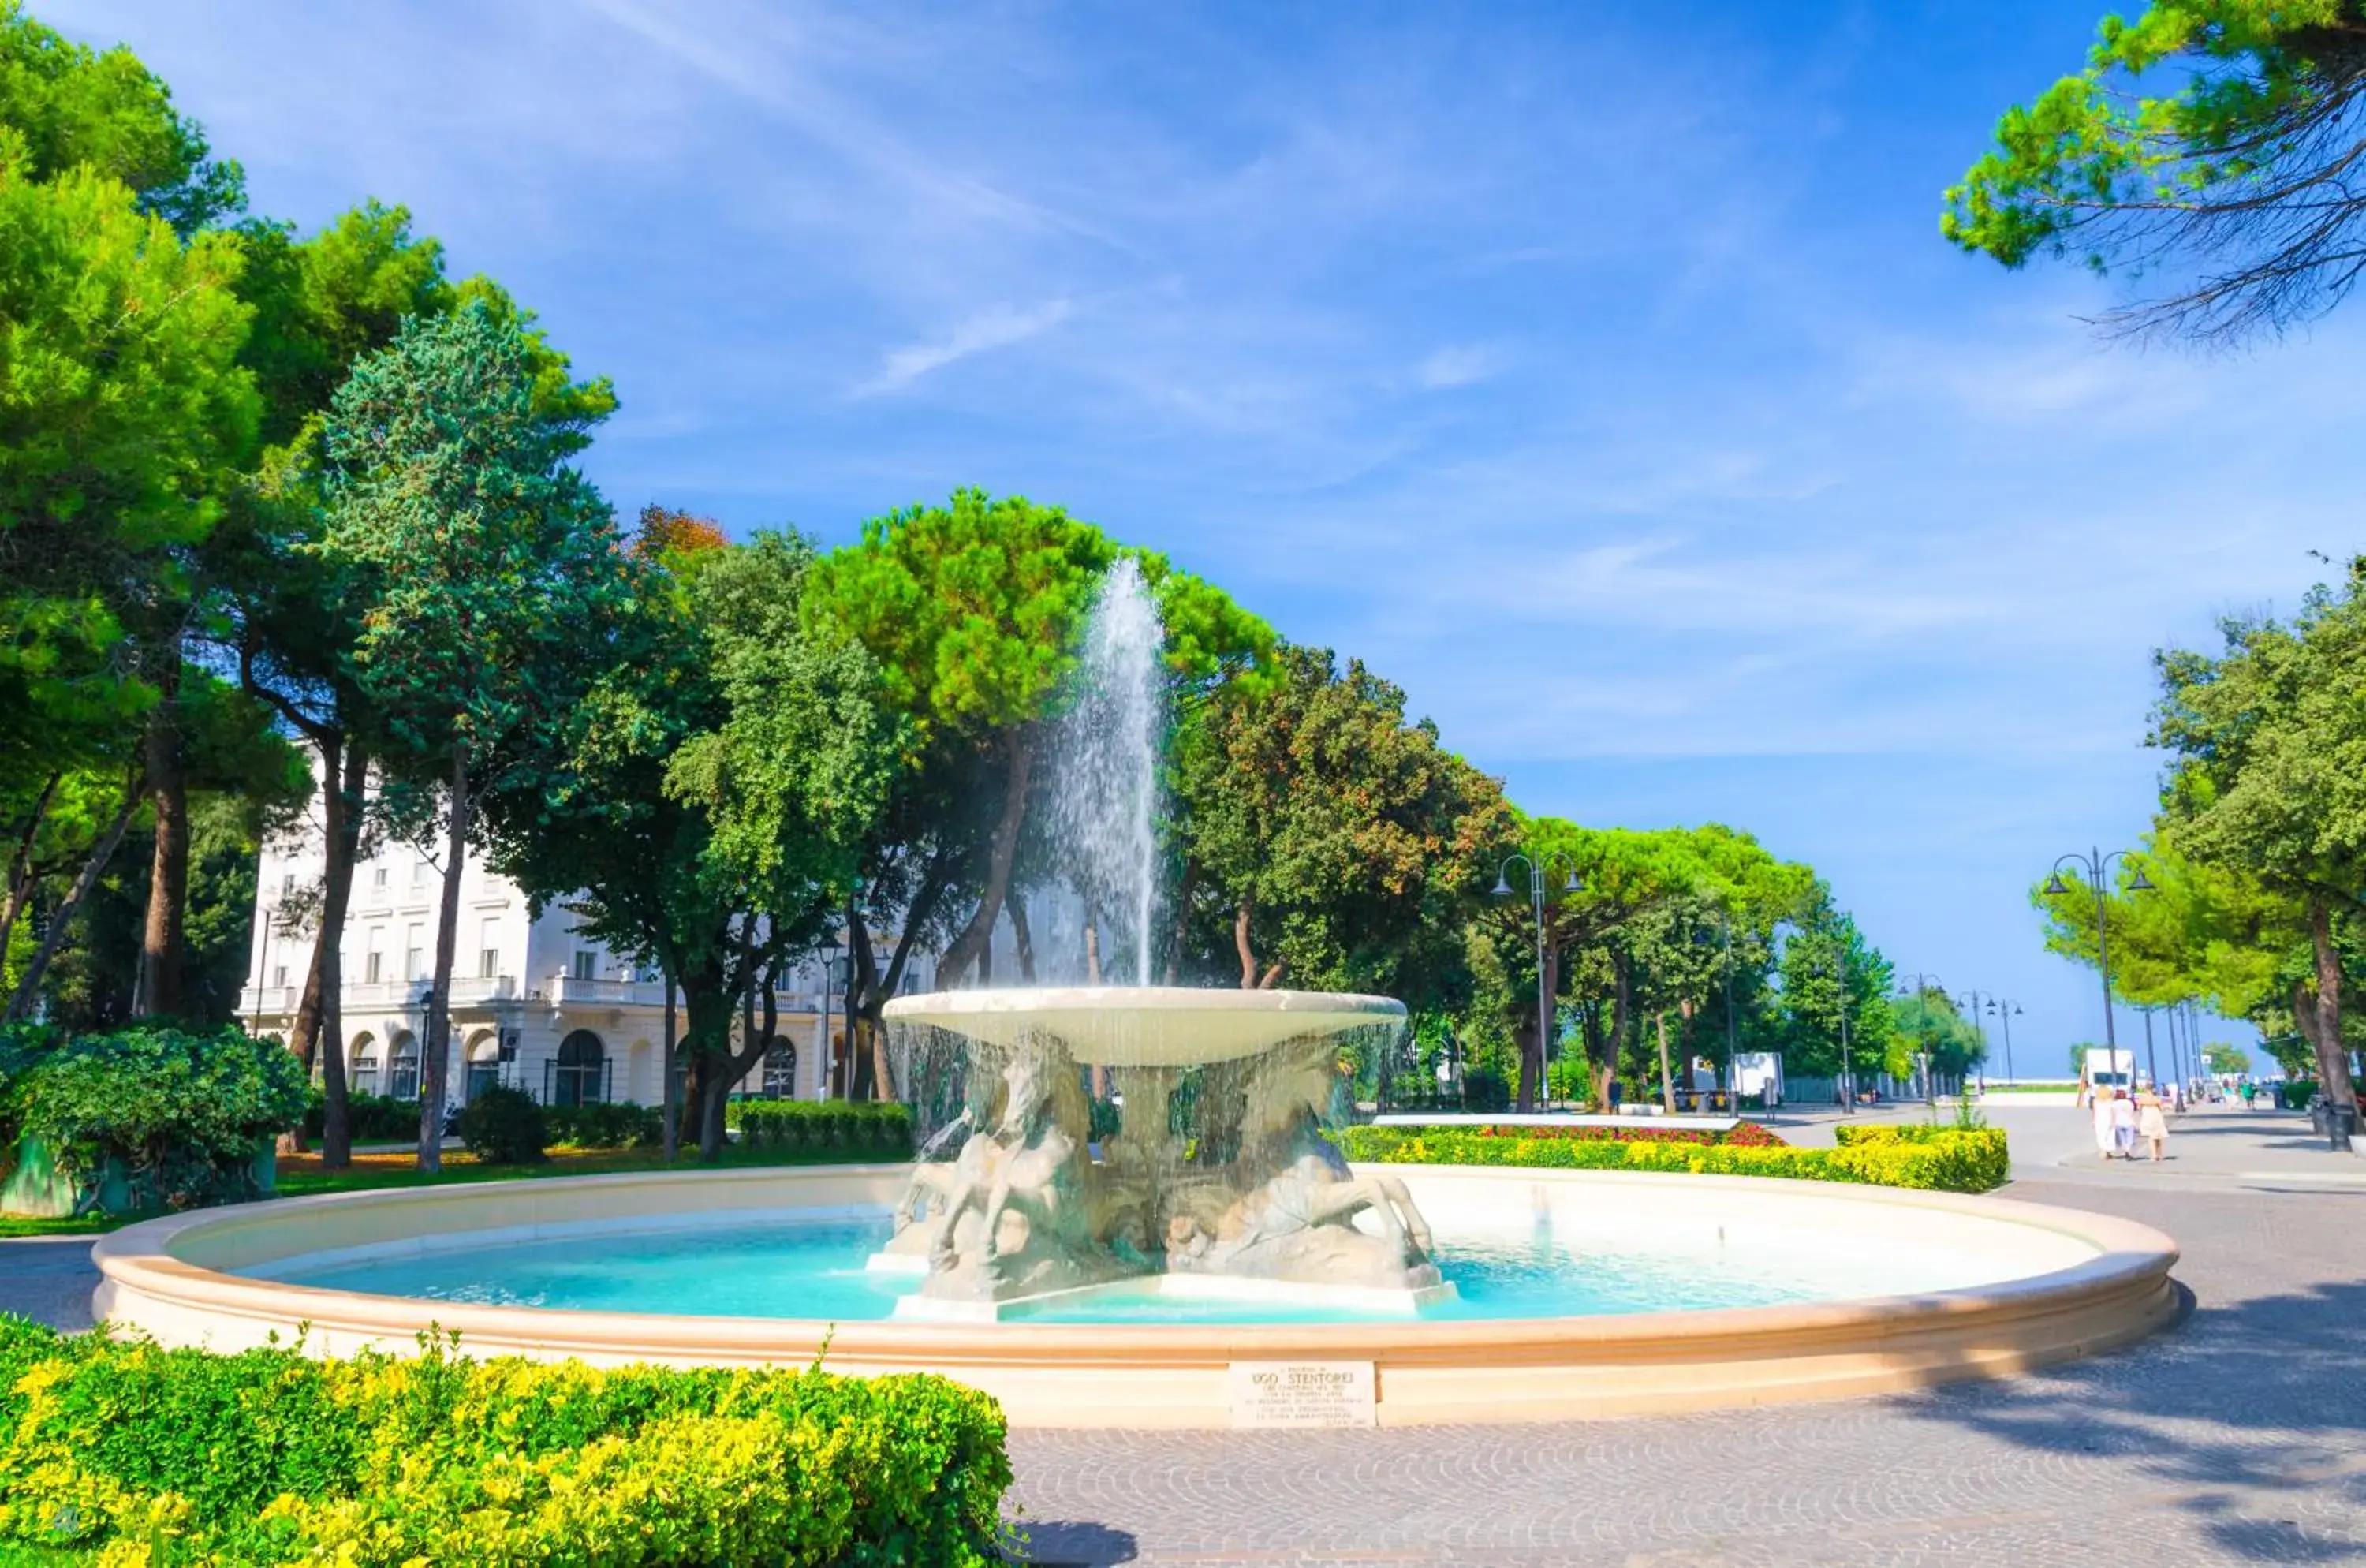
pixel 1014 1218
pixel 1289 1212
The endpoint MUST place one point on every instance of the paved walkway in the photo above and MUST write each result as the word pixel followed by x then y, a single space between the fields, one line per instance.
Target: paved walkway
pixel 2237 1437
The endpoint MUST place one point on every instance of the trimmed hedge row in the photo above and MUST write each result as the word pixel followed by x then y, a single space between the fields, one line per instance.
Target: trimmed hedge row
pixel 622 1125
pixel 1743 1134
pixel 1946 1160
pixel 272 1456
pixel 867 1127
pixel 369 1118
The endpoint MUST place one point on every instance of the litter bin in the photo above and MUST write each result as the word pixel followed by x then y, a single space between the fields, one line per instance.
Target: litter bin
pixel 2342 1125
pixel 2320 1116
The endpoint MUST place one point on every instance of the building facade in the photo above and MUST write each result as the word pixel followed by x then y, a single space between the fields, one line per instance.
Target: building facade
pixel 536 1003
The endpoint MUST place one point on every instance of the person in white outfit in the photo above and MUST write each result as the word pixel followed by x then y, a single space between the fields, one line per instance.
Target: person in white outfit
pixel 2124 1124
pixel 2105 1139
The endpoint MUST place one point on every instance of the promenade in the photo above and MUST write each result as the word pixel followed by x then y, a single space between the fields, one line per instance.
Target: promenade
pixel 2236 1438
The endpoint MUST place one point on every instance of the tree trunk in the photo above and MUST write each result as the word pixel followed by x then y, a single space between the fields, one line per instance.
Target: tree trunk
pixel 709 1044
pixel 1667 1082
pixel 29 985
pixel 157 993
pixel 1241 946
pixel 1622 1000
pixel 20 864
pixel 2332 1055
pixel 670 1090
pixel 324 1010
pixel 434 1063
pixel 967 948
pixel 1023 938
pixel 1589 1022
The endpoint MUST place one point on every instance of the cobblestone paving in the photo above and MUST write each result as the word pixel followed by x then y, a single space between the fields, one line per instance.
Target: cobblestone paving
pixel 2239 1436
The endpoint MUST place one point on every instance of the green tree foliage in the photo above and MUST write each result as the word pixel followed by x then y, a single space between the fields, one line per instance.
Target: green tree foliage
pixel 2220 1058
pixel 2207 147
pixel 78 107
pixel 1829 970
pixel 708 806
pixel 1333 842
pixel 1928 1024
pixel 491 572
pixel 2268 782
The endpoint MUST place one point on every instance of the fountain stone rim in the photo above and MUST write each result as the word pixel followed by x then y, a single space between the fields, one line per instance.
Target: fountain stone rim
pixel 1144 1026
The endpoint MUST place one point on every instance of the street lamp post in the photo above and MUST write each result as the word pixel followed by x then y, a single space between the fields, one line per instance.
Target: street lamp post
pixel 2152 1058
pixel 1503 889
pixel 2003 1011
pixel 1972 1011
pixel 1924 982
pixel 1847 1080
pixel 2097 865
pixel 1732 1087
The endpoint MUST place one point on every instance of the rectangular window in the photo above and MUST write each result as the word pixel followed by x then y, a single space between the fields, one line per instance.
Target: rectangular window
pixel 414 953
pixel 587 964
pixel 489 951
pixel 373 966
pixel 287 888
pixel 419 872
pixel 378 878
pixel 279 973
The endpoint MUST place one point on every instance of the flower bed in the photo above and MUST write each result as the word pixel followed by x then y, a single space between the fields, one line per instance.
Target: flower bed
pixel 1944 1159
pixel 1742 1135
pixel 271 1456
pixel 863 1128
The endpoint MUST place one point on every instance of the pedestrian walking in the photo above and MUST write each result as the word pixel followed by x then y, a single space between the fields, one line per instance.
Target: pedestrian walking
pixel 2124 1124
pixel 2105 1139
pixel 2153 1126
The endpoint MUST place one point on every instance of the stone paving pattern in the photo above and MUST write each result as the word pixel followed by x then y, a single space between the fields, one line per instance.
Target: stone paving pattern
pixel 2239 1437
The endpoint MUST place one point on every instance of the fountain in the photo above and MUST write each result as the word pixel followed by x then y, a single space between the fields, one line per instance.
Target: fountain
pixel 1207 1248
pixel 1218 1182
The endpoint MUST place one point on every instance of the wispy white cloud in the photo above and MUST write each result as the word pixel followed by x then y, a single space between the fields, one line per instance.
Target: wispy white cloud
pixel 999 326
pixel 1460 364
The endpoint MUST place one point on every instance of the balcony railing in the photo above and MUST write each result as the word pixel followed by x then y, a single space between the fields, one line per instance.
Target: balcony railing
pixel 475 991
pixel 566 989
pixel 386 993
pixel 269 999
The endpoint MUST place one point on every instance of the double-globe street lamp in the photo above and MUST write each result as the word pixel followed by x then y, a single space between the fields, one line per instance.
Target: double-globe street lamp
pixel 2004 1012
pixel 1970 1002
pixel 1923 984
pixel 1503 889
pixel 2097 864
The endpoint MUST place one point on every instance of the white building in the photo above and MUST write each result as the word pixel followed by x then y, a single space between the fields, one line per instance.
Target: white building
pixel 535 1004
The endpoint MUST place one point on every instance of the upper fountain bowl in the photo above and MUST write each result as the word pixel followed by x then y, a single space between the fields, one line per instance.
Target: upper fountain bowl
pixel 1144 1026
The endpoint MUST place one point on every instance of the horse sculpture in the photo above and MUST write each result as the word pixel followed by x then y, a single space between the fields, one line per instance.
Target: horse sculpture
pixel 1296 1221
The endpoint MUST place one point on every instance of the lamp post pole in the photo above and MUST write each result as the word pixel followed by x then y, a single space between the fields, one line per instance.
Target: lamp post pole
pixel 1503 889
pixel 1848 1071
pixel 2097 865
pixel 1923 1031
pixel 2004 1011
pixel 1979 1031
pixel 1732 1087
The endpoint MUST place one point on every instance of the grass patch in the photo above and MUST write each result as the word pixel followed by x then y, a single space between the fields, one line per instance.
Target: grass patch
pixel 17 1225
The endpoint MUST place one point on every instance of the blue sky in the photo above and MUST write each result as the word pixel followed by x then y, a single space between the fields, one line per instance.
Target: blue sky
pixel 1596 372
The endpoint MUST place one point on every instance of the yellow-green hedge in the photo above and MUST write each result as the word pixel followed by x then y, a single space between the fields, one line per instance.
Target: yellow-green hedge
pixel 271 1457
pixel 1943 1159
pixel 863 1128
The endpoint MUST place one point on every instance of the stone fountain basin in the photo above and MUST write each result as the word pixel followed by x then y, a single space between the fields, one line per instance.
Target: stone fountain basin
pixel 2038 1285
pixel 1144 1026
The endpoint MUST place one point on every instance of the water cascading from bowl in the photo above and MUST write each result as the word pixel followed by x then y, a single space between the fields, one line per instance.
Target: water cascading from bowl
pixel 1217 1177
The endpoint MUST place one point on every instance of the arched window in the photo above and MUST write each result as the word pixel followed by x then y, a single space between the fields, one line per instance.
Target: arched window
pixel 581 1073
pixel 484 1061
pixel 402 1071
pixel 363 1056
pixel 780 1069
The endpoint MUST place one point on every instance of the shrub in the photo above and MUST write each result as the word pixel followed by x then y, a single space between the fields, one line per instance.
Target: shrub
pixel 504 1126
pixel 369 1118
pixel 623 1126
pixel 865 1129
pixel 272 1457
pixel 1485 1088
pixel 1747 1133
pixel 181 1113
pixel 1929 1158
